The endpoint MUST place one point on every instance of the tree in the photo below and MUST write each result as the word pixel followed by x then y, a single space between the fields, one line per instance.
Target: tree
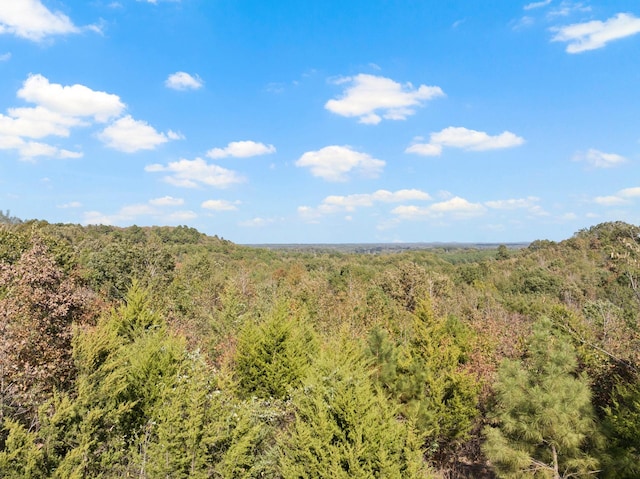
pixel 542 419
pixel 344 427
pixel 273 356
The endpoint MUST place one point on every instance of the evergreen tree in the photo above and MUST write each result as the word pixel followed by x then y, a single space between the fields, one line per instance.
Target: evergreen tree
pixel 424 376
pixel 542 419
pixel 273 356
pixel 344 427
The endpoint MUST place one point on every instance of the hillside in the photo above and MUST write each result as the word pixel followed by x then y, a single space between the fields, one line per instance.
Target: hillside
pixel 163 352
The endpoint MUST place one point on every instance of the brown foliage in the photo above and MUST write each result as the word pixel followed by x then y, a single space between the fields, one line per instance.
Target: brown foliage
pixel 38 306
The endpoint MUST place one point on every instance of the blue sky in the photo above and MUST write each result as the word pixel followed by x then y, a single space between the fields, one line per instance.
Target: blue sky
pixel 313 121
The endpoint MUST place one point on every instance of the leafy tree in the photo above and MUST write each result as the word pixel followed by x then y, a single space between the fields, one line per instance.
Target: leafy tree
pixel 39 304
pixel 20 457
pixel 542 420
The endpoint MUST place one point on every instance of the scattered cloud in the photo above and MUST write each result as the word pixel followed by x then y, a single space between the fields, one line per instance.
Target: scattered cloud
pixel 183 81
pixel 166 201
pixel 456 207
pixel 582 37
pixel 349 203
pixel 155 210
pixel 196 173
pixel 220 205
pixel 622 197
pixel 513 204
pixel 599 159
pixel 609 200
pixel 129 135
pixel 463 138
pixel 335 163
pixel 31 20
pixel 74 101
pixel 532 5
pixel 567 8
pixel 72 204
pixel 241 149
pixel 5 57
pixel 371 98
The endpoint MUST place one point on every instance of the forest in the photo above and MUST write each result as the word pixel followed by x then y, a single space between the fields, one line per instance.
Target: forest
pixel 160 352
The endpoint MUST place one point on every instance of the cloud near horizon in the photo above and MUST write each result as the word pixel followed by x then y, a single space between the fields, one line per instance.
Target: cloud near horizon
pixel 334 204
pixel 465 139
pixel 371 98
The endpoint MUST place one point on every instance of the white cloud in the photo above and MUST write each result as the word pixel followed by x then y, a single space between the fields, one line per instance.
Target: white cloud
pixel 609 200
pixel 30 19
pixel 334 204
pixel 512 204
pixel 334 163
pixel 75 100
pixel 194 173
pixel 532 5
pixel 622 197
pixel 220 205
pixel 463 138
pixel 630 192
pixel 183 81
pixel 582 37
pixel 36 122
pixel 567 8
pixel 32 149
pixel 166 201
pixel 456 207
pixel 128 214
pixel 241 149
pixel 72 204
pixel 5 57
pixel 129 135
pixel 372 98
pixel 599 159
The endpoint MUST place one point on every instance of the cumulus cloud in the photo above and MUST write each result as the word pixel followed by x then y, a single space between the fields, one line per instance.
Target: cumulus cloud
pixel 582 37
pixel 599 159
pixel 195 173
pixel 622 197
pixel 220 205
pixel 183 81
pixel 456 207
pixel 75 100
pixel 333 204
pixel 30 19
pixel 29 150
pixel 335 163
pixel 371 98
pixel 465 139
pixel 129 135
pixel 36 122
pixel 241 149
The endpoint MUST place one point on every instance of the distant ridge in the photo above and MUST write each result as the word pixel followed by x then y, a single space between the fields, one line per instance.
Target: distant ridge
pixel 373 248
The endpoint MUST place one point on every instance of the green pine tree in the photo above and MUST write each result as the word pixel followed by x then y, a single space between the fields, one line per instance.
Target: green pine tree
pixel 543 420
pixel 344 427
